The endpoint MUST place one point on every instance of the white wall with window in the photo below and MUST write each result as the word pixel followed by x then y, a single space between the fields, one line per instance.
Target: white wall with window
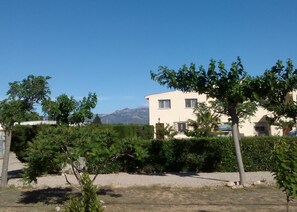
pixel 164 104
pixel 180 126
pixel 176 108
pixel 190 103
pixel 173 107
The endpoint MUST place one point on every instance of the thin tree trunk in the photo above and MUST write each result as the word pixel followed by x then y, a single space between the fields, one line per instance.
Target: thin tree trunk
pixel 235 134
pixel 4 175
pixel 288 201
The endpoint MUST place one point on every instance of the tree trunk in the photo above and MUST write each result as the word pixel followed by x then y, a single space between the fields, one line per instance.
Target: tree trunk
pixel 4 175
pixel 235 135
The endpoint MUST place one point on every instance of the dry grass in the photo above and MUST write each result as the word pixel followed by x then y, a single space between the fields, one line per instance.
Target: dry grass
pixel 261 198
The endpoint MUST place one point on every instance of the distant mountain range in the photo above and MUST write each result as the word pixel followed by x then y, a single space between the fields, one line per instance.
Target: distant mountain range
pixel 127 116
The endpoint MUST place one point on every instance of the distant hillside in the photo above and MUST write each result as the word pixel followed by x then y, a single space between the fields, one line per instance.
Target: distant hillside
pixel 127 116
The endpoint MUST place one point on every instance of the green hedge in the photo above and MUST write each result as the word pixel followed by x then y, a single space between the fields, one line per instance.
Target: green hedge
pixel 131 131
pixel 215 154
pixel 205 154
pixel 209 154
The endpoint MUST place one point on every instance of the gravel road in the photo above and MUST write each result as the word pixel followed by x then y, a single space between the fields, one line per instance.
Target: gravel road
pixel 128 180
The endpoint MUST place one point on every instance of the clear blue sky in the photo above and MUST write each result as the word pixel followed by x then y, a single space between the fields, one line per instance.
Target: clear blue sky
pixel 109 47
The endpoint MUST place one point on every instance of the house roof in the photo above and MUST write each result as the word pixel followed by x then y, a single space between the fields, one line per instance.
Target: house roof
pixel 173 91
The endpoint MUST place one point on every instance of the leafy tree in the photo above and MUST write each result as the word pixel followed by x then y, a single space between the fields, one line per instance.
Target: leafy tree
pixel 231 87
pixel 67 110
pixel 243 110
pixel 97 120
pixel 285 172
pixel 31 90
pixel 275 87
pixel 85 148
pixel 19 106
pixel 206 121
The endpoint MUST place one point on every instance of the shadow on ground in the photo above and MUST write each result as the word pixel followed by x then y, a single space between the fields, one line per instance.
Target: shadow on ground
pixel 108 192
pixel 15 174
pixel 46 196
pixel 57 195
pixel 187 174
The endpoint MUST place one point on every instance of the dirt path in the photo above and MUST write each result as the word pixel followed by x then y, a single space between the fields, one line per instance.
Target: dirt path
pixel 193 180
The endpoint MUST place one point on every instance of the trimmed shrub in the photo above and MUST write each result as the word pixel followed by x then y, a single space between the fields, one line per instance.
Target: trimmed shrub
pixel 210 154
pixel 205 154
pixel 134 154
pixel 131 131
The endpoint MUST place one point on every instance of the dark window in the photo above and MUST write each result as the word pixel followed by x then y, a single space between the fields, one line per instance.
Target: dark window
pixel 181 126
pixel 164 104
pixel 190 103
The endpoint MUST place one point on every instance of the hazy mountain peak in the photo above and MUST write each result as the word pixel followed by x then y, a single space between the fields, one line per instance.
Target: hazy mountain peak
pixel 127 116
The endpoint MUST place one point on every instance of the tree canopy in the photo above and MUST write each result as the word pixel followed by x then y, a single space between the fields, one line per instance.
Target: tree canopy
pixel 67 110
pixel 275 87
pixel 19 106
pixel 230 87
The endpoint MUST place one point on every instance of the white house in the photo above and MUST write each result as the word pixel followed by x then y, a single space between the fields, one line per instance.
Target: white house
pixel 176 108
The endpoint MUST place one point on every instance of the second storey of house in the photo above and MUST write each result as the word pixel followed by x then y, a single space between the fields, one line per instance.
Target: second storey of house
pixel 173 107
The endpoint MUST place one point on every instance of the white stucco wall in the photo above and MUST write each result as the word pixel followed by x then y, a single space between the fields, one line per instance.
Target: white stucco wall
pixel 179 113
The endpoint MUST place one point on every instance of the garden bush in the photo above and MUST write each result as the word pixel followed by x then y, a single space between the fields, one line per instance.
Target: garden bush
pixel 205 154
pixel 21 136
pixel 101 150
pixel 88 201
pixel 210 154
pixel 134 154
pixel 131 131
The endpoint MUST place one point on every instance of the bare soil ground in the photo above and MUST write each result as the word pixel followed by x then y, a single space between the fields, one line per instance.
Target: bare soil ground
pixel 154 198
pixel 202 192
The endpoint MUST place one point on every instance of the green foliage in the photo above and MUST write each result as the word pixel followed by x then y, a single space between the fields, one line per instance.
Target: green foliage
pixel 209 154
pixel 133 155
pixel 12 111
pixel 257 150
pixel 32 89
pixel 201 154
pixel 21 136
pixel 131 131
pixel 274 88
pixel 243 110
pixel 97 120
pixel 67 110
pixel 167 132
pixel 88 201
pixel 19 106
pixel 230 87
pixel 285 171
pixel 206 121
pixel 44 154
pixel 103 151
pixel 227 86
